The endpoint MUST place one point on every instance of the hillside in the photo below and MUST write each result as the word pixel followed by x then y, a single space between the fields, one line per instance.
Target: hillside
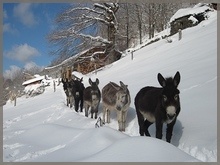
pixel 43 129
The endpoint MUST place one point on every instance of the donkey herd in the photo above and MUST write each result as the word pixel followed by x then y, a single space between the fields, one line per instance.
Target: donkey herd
pixel 153 104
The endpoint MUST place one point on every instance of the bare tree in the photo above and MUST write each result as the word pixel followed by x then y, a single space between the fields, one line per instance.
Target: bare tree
pixel 77 28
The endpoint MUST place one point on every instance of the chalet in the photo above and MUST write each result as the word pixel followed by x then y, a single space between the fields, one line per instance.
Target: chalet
pixel 214 5
pixel 36 80
pixel 27 76
pixel 86 61
pixel 189 17
pixel 95 58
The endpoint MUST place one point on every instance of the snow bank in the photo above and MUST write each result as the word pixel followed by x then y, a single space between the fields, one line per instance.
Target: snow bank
pixel 33 90
pixel 138 149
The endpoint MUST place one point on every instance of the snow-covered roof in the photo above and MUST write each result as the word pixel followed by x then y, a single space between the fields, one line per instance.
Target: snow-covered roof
pixel 38 78
pixel 197 9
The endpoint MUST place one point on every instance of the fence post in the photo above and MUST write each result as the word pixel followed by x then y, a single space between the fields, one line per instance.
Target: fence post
pixel 132 55
pixel 15 100
pixel 180 34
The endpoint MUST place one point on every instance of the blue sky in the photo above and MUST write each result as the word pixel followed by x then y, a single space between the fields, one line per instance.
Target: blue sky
pixel 25 26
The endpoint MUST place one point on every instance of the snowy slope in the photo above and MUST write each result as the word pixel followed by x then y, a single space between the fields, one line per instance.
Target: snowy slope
pixel 43 129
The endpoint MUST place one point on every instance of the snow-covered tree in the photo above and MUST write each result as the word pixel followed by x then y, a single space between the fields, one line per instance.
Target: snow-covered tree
pixel 111 25
pixel 77 28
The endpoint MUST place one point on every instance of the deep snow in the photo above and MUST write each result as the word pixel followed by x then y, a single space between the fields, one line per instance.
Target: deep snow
pixel 44 129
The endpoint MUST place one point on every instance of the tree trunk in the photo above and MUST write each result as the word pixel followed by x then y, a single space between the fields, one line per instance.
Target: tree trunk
pixel 127 26
pixel 139 23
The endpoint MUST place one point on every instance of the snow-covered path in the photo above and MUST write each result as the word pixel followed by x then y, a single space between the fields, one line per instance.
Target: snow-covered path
pixel 50 131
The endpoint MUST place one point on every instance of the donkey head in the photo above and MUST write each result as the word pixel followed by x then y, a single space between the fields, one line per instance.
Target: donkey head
pixel 170 95
pixel 77 87
pixel 68 90
pixel 121 95
pixel 94 88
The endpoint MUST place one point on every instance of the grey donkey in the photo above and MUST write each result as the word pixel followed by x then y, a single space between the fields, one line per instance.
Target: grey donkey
pixel 117 98
pixel 92 97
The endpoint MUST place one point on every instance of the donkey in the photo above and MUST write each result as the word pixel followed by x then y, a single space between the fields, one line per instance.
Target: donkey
pixel 159 105
pixel 92 97
pixel 77 92
pixel 115 97
pixel 67 87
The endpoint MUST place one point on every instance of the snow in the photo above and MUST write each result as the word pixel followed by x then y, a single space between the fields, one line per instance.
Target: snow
pixel 197 9
pixel 37 78
pixel 33 89
pixel 44 129
pixel 193 19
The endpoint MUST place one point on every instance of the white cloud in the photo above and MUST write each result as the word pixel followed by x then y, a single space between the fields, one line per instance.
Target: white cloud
pixel 22 53
pixel 8 28
pixel 23 12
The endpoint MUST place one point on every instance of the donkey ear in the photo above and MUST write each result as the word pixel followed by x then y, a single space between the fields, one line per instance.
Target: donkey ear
pixel 161 80
pixel 97 81
pixel 123 85
pixel 90 81
pixel 176 79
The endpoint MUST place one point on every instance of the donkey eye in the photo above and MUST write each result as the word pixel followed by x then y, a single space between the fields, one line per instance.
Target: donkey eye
pixel 176 97
pixel 164 98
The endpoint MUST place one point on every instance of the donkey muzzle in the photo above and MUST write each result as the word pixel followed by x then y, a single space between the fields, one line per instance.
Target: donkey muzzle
pixel 171 116
pixel 118 108
pixel 171 112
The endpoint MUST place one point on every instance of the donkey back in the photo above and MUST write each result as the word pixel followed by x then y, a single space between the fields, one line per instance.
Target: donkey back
pixel 116 98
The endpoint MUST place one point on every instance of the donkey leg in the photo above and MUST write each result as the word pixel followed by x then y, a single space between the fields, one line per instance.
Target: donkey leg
pixel 120 121
pixel 86 110
pixel 170 131
pixel 76 105
pixel 124 116
pixel 96 112
pixel 67 101
pixel 92 112
pixel 71 102
pixel 147 124
pixel 141 123
pixel 81 105
pixel 123 121
pixel 108 116
pixel 104 111
pixel 159 127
